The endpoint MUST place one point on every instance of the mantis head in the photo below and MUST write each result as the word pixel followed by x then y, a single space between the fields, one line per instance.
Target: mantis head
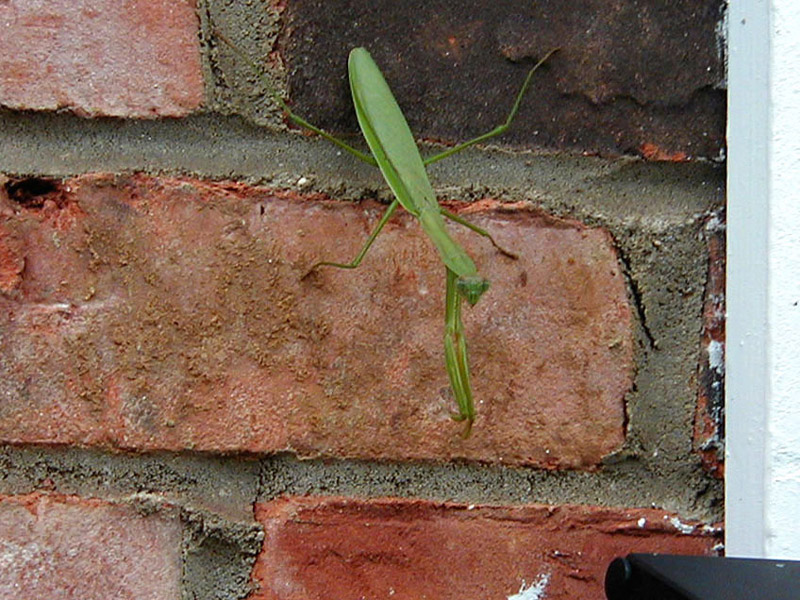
pixel 472 288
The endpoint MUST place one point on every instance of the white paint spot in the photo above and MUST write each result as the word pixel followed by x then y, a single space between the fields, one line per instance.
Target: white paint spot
pixel 715 223
pixel 711 530
pixel 535 591
pixel 641 523
pixel 681 527
pixel 716 356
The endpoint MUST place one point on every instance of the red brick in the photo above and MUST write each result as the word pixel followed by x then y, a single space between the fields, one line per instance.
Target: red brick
pixel 708 425
pixel 11 261
pixel 65 547
pixel 320 548
pixel 169 314
pixel 126 59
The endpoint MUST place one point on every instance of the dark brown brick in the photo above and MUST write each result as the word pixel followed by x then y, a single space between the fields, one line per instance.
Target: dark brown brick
pixel 632 77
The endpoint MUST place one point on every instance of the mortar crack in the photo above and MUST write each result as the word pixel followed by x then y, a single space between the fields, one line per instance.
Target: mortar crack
pixel 636 294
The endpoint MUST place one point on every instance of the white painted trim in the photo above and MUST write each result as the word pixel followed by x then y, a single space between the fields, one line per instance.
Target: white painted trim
pixel 746 367
pixel 782 498
pixel 763 342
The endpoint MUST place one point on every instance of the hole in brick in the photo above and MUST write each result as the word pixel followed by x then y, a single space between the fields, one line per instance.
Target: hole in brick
pixel 31 192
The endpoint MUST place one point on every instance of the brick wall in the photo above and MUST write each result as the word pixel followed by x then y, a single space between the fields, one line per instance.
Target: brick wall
pixel 183 414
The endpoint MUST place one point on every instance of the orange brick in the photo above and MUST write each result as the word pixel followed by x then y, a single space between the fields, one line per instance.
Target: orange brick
pixel 320 548
pixel 101 58
pixel 66 547
pixel 164 314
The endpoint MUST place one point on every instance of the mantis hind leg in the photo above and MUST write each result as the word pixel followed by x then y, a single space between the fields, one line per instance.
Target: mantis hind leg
pixel 500 129
pixel 455 355
pixel 478 230
pixel 360 256
pixel 296 119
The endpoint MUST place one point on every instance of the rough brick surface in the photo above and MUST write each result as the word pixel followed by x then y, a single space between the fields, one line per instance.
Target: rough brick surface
pixel 101 58
pixel 63 547
pixel 337 548
pixel 168 314
pixel 632 77
pixel 709 418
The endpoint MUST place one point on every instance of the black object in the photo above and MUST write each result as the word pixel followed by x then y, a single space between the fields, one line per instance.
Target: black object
pixel 671 577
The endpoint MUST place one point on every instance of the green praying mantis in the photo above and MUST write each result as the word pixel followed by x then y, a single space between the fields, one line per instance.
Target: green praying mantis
pixel 395 152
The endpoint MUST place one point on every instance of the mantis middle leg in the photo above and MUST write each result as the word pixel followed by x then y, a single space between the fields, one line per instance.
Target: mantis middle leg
pixel 360 256
pixel 479 230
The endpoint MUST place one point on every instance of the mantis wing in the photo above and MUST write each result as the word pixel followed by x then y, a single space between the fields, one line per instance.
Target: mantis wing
pixel 392 144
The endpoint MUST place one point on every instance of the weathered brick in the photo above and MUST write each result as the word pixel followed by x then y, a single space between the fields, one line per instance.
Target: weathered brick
pixel 319 548
pixel 171 314
pixel 101 58
pixel 11 261
pixel 709 415
pixel 67 547
pixel 640 78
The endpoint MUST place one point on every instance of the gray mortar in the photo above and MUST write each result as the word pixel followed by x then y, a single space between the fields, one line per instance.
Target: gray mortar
pixel 654 211
pixel 223 486
pixel 255 25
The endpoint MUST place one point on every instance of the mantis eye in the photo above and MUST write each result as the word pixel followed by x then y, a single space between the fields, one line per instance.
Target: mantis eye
pixel 472 288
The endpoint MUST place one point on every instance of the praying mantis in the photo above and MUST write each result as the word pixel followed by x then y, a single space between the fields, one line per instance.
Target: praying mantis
pixel 394 151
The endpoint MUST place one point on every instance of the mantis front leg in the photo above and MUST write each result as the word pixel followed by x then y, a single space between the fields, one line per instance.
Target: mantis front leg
pixel 296 119
pixel 455 355
pixel 360 256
